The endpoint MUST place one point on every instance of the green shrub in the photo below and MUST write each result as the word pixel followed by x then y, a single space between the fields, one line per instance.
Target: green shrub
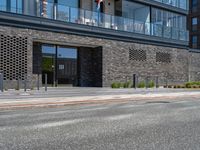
pixel 188 84
pixel 127 84
pixel 116 85
pixel 151 84
pixel 17 88
pixel 141 84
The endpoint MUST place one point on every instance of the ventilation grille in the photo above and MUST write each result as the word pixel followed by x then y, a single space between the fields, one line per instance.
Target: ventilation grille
pixel 13 57
pixel 138 55
pixel 163 57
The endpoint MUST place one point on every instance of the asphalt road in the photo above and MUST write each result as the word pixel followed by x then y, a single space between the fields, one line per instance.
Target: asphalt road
pixel 143 125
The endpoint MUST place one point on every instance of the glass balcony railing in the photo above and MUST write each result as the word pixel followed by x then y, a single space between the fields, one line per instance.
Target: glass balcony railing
pixel 95 19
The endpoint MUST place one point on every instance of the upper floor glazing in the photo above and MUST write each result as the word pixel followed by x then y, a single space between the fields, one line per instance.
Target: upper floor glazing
pixel 182 4
pixel 121 15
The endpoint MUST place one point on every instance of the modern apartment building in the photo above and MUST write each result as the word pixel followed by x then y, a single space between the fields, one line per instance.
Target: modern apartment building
pixel 194 24
pixel 95 42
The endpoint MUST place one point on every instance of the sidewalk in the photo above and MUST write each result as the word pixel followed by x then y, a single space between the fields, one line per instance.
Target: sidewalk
pixel 70 96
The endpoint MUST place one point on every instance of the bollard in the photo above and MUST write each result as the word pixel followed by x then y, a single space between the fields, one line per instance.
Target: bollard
pixel 1 82
pixel 157 84
pixel 166 82
pixel 146 82
pixel 46 82
pixel 18 82
pixel 38 82
pixel 134 81
pixel 25 84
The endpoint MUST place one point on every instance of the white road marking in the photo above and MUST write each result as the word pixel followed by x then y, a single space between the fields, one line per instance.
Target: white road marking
pixel 119 117
pixel 56 124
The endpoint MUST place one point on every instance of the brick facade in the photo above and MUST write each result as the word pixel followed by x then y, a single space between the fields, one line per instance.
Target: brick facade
pixel 109 61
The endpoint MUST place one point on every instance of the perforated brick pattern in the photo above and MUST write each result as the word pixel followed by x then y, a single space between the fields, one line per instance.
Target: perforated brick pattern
pixel 137 55
pixel 163 57
pixel 13 57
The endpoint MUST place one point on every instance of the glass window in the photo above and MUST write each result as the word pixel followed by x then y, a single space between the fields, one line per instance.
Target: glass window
pixel 71 3
pixel 168 19
pixel 194 2
pixel 194 5
pixel 183 4
pixel 3 5
pixel 16 6
pixel 194 41
pixel 194 21
pixel 136 11
pixel 176 3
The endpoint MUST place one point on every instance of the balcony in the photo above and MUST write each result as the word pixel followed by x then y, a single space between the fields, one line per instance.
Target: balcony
pixel 100 20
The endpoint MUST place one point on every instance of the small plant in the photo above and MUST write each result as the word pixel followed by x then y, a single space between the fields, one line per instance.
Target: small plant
pixel 165 86
pixel 141 84
pixel 119 85
pixel 17 88
pixel 151 84
pixel 188 84
pixel 116 85
pixel 127 84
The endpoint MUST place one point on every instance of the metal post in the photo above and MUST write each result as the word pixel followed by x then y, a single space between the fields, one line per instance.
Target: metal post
pixel 45 82
pixel 1 81
pixel 146 82
pixel 157 84
pixel 18 80
pixel 38 82
pixel 25 84
pixel 134 81
pixel 166 82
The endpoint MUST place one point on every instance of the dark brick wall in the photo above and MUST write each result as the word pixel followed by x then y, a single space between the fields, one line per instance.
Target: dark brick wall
pixel 110 62
pixel 90 67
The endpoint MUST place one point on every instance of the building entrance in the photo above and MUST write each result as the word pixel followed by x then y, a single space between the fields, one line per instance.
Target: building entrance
pixel 60 65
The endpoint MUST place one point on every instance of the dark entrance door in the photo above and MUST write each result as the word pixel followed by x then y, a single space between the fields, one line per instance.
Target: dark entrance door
pixel 60 65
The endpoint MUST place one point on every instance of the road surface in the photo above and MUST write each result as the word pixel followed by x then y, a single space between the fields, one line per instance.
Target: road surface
pixel 144 125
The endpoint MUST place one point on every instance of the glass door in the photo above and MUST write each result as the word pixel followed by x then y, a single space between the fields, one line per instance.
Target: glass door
pixel 60 65
pixel 66 66
pixel 48 64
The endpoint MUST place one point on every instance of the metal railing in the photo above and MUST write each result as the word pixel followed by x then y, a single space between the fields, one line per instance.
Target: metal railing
pixel 96 19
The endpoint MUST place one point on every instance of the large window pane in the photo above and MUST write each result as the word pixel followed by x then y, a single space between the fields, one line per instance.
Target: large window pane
pixel 3 5
pixel 168 19
pixel 135 11
pixel 71 3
